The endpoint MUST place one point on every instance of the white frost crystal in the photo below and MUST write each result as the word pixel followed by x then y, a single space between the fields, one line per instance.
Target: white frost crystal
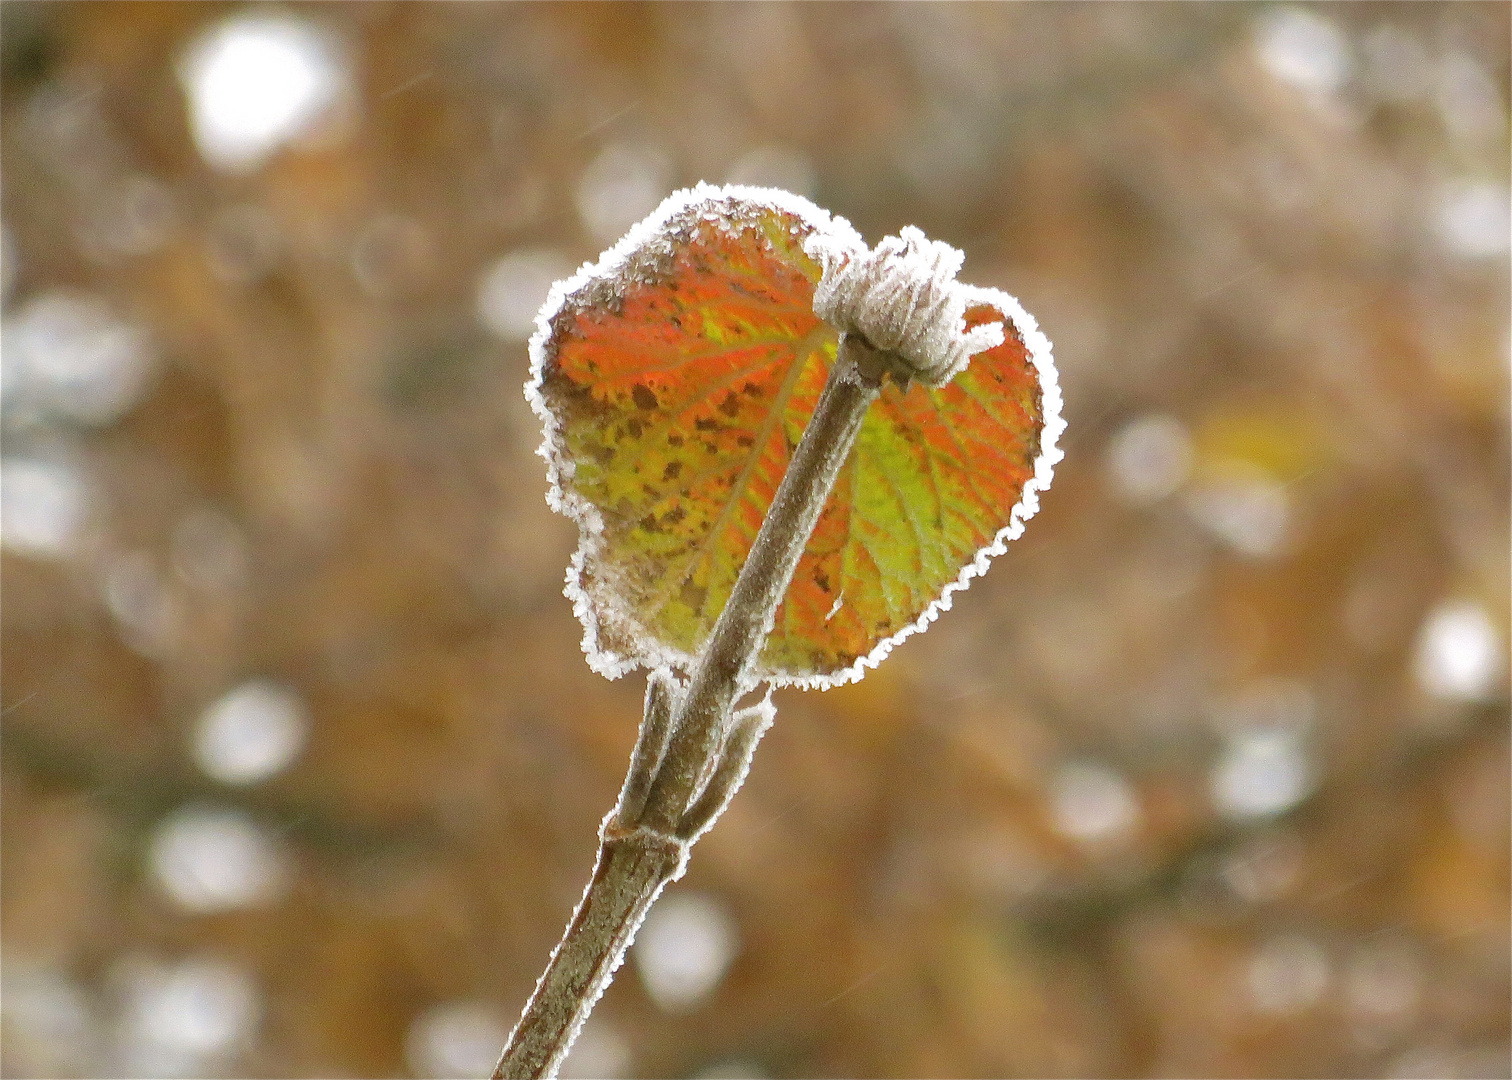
pixel 903 297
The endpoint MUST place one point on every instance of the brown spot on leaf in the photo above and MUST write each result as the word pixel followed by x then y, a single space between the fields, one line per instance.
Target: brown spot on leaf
pixel 693 595
pixel 672 470
pixel 644 398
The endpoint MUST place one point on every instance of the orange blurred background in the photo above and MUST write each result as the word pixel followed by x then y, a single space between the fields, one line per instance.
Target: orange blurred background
pixel 302 763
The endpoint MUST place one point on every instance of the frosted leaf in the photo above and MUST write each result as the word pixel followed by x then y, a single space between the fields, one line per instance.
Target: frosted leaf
pixel 675 376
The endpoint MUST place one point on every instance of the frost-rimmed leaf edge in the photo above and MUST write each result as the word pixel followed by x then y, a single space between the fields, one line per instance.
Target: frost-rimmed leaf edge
pixel 837 234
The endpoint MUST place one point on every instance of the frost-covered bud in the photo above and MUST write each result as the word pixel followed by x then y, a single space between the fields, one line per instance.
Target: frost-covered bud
pixel 903 297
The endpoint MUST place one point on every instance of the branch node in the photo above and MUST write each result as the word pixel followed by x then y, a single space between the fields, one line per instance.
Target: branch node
pixel 652 841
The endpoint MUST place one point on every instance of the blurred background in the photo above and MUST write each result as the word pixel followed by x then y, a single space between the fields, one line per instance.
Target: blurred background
pixel 302 765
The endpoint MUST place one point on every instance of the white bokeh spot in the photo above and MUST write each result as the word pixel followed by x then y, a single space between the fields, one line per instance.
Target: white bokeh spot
pixel 601 1051
pixel 1473 219
pixel 455 1038
pixel 512 290
pixel 186 1018
pixel 1460 655
pixel 1286 975
pixel 1091 803
pixel 1149 458
pixel 67 354
pixel 683 950
pixel 256 82
pixel 209 860
pixel 621 186
pixel 1243 506
pixel 43 507
pixel 1262 772
pixel 251 733
pixel 1301 47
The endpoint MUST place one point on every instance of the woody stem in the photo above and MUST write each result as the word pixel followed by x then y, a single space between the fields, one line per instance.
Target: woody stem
pixel 725 664
pixel 693 749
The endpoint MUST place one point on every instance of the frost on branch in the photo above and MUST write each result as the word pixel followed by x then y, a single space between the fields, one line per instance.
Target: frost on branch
pixel 902 296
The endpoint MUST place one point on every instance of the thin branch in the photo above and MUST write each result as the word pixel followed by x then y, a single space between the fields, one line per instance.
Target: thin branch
pixel 692 753
pixel 725 664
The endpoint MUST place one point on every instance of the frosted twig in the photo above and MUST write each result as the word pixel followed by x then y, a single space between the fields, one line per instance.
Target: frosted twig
pixel 693 750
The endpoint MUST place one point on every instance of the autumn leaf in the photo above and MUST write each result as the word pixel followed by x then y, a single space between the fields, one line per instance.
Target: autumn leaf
pixel 675 378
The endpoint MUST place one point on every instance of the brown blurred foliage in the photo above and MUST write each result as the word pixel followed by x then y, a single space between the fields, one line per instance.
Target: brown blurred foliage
pixel 1202 779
